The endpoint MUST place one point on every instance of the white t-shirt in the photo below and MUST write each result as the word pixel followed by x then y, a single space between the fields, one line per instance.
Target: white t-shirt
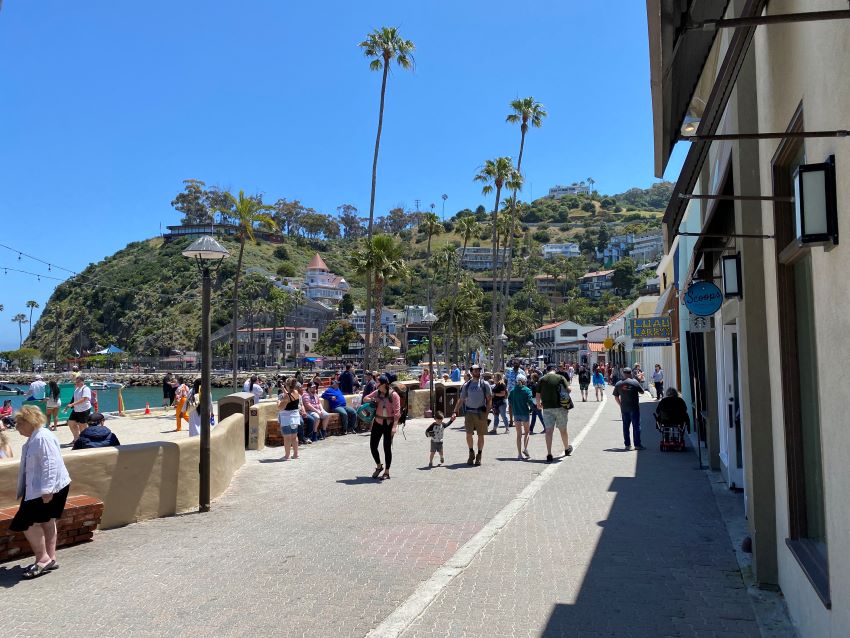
pixel 246 387
pixel 37 389
pixel 258 391
pixel 82 393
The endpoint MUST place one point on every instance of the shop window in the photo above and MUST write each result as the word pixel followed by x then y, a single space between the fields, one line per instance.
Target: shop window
pixel 798 345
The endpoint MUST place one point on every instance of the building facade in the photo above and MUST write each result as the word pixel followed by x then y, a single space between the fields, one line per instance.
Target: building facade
pixel 481 258
pixel 767 365
pixel 320 284
pixel 579 188
pixel 561 341
pixel 565 250
pixel 389 320
pixel 593 284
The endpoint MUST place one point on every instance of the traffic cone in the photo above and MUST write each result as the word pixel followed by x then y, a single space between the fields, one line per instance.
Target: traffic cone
pixel 120 403
pixel 147 408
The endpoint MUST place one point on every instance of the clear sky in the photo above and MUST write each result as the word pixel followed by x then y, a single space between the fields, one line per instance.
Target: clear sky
pixel 106 106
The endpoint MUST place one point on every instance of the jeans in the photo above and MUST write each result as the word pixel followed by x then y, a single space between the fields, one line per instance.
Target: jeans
pixel 308 427
pixel 348 418
pixel 500 411
pixel 382 429
pixel 633 419
pixel 535 414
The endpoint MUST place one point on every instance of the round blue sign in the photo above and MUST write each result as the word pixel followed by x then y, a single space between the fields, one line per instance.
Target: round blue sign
pixel 703 298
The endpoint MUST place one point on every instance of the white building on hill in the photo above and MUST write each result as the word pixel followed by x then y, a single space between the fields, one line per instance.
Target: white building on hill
pixel 573 189
pixel 320 284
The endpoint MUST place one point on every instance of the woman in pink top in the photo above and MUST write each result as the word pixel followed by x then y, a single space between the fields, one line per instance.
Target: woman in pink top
pixel 424 379
pixel 387 412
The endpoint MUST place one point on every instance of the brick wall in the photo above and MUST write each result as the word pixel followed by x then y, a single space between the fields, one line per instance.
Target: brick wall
pixel 81 516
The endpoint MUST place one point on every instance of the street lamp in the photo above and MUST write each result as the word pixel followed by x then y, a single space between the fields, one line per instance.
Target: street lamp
pixel 503 339
pixel 206 252
pixel 430 319
pixel 529 345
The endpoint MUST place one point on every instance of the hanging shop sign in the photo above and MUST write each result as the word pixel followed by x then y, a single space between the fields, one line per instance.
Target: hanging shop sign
pixel 703 298
pixel 701 324
pixel 651 344
pixel 652 328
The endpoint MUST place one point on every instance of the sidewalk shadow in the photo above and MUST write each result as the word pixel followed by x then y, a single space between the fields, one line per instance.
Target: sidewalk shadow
pixel 662 546
pixel 360 480
pixel 11 576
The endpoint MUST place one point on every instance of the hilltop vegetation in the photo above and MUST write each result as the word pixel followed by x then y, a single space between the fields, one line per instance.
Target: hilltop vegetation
pixel 145 298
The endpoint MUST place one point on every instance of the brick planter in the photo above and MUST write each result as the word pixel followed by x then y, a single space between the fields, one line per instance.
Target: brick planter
pixel 275 439
pixel 81 516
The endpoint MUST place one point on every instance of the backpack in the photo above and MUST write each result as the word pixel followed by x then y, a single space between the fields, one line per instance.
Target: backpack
pixel 566 400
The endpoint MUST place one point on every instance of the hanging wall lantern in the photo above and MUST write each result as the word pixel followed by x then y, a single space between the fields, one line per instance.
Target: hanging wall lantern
pixel 731 267
pixel 815 203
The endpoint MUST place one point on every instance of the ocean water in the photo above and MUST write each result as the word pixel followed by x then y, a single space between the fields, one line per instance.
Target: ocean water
pixel 134 397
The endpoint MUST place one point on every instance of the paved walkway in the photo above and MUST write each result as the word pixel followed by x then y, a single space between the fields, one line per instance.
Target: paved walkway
pixel 610 543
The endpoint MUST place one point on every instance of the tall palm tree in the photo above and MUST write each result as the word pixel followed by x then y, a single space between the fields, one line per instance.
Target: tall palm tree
pixel 382 260
pixel 20 319
pixel 32 305
pixel 432 227
pixel 526 112
pixel 591 181
pixel 497 174
pixel 245 211
pixel 382 46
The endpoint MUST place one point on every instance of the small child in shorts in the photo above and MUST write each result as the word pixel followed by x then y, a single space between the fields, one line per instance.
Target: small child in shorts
pixel 435 433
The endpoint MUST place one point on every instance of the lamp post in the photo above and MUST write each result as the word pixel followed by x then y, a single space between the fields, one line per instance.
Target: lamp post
pixel 206 252
pixel 430 319
pixel 502 339
pixel 529 345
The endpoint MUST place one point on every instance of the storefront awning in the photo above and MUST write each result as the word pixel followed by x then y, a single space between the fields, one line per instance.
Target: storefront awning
pixel 715 107
pixel 677 57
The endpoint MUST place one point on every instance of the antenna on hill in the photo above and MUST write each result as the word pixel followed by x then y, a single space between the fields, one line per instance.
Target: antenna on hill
pixel 416 201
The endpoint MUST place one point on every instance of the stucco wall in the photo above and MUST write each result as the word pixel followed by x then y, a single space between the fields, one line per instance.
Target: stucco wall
pixel 145 480
pixel 810 62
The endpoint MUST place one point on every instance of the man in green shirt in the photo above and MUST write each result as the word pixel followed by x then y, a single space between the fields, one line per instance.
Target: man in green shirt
pixel 549 390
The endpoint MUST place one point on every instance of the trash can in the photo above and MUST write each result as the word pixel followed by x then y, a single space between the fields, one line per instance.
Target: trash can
pixel 440 398
pixel 236 403
pixel 451 396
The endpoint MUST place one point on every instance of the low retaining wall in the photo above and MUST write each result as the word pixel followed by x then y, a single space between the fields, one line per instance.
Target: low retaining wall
pixel 145 480
pixel 81 516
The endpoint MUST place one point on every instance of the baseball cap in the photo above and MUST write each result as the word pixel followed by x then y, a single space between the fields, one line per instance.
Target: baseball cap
pixel 627 370
pixel 96 417
pixel 383 379
pixel 475 366
pixel 38 376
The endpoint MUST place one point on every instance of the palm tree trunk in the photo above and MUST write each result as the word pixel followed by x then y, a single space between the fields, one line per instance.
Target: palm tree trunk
pixel 235 337
pixel 20 334
pixel 494 290
pixel 454 295
pixel 368 350
pixel 509 265
pixel 428 261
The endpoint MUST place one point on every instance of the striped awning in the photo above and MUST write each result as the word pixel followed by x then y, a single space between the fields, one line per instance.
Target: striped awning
pixel 596 347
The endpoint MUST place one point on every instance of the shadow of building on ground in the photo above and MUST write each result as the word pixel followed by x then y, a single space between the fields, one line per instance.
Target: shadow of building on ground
pixel 664 564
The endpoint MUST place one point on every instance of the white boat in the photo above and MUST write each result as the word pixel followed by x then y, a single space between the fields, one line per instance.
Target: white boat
pixel 113 385
pixel 96 385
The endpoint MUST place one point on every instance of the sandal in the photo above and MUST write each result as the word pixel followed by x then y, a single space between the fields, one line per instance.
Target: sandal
pixel 51 566
pixel 35 570
pixel 386 476
pixel 377 471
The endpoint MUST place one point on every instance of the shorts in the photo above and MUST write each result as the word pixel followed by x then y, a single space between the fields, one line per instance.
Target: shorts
pixel 475 422
pixel 80 417
pixel 289 421
pixel 51 404
pixel 437 446
pixel 583 386
pixel 37 511
pixel 555 418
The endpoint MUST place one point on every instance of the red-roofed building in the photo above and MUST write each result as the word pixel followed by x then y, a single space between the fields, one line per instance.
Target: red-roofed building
pixel 320 284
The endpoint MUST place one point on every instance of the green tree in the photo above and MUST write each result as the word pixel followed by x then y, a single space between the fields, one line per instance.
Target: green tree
pixel 281 303
pixel 625 278
pixel 20 319
pixel 432 226
pixel 247 211
pixel 603 237
pixel 380 260
pixel 575 308
pixel 192 203
pixel 352 224
pixel 335 338
pixel 496 174
pixel 346 305
pixel 32 305
pixel 381 46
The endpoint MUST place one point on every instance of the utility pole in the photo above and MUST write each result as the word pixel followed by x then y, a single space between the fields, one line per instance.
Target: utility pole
pixel 416 201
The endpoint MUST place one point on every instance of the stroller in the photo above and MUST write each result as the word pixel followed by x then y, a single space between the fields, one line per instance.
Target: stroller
pixel 671 419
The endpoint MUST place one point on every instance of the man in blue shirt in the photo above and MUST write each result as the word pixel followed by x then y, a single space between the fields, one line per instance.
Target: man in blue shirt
pixel 336 403
pixel 455 375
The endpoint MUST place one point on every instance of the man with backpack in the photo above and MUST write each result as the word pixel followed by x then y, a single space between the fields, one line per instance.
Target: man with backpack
pixel 476 399
pixel 553 397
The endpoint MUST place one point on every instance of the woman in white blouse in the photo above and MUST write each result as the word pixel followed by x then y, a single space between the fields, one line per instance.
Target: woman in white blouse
pixel 43 486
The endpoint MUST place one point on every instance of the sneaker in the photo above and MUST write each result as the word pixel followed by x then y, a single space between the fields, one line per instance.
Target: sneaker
pixel 442 460
pixel 628 448
pixel 568 451
pixel 430 465
pixel 526 454
pixel 639 447
pixel 520 457
pixel 471 458
pixel 478 458
pixel 493 431
pixel 548 458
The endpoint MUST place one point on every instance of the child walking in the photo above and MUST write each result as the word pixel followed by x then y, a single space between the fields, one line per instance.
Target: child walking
pixel 435 433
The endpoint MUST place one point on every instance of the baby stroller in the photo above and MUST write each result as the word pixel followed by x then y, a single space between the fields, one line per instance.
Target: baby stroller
pixel 671 419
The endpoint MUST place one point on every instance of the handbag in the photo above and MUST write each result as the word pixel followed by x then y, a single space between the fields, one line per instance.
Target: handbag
pixel 367 411
pixel 566 400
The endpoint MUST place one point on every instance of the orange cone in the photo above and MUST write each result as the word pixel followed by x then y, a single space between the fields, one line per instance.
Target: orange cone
pixel 120 403
pixel 147 408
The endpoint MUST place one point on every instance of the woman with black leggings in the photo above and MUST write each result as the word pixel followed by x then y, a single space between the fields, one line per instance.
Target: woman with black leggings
pixel 387 412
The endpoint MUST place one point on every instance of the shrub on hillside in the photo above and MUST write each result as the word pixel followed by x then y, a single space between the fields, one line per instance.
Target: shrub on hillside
pixel 286 270
pixel 448 226
pixel 281 252
pixel 541 236
pixel 588 207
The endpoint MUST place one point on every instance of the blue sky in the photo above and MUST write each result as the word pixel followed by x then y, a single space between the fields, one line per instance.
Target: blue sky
pixel 106 106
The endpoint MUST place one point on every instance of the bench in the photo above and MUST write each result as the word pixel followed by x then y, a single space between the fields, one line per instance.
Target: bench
pixel 81 516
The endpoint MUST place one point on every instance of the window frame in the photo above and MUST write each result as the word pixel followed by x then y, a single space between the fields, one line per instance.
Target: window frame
pixel 813 560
